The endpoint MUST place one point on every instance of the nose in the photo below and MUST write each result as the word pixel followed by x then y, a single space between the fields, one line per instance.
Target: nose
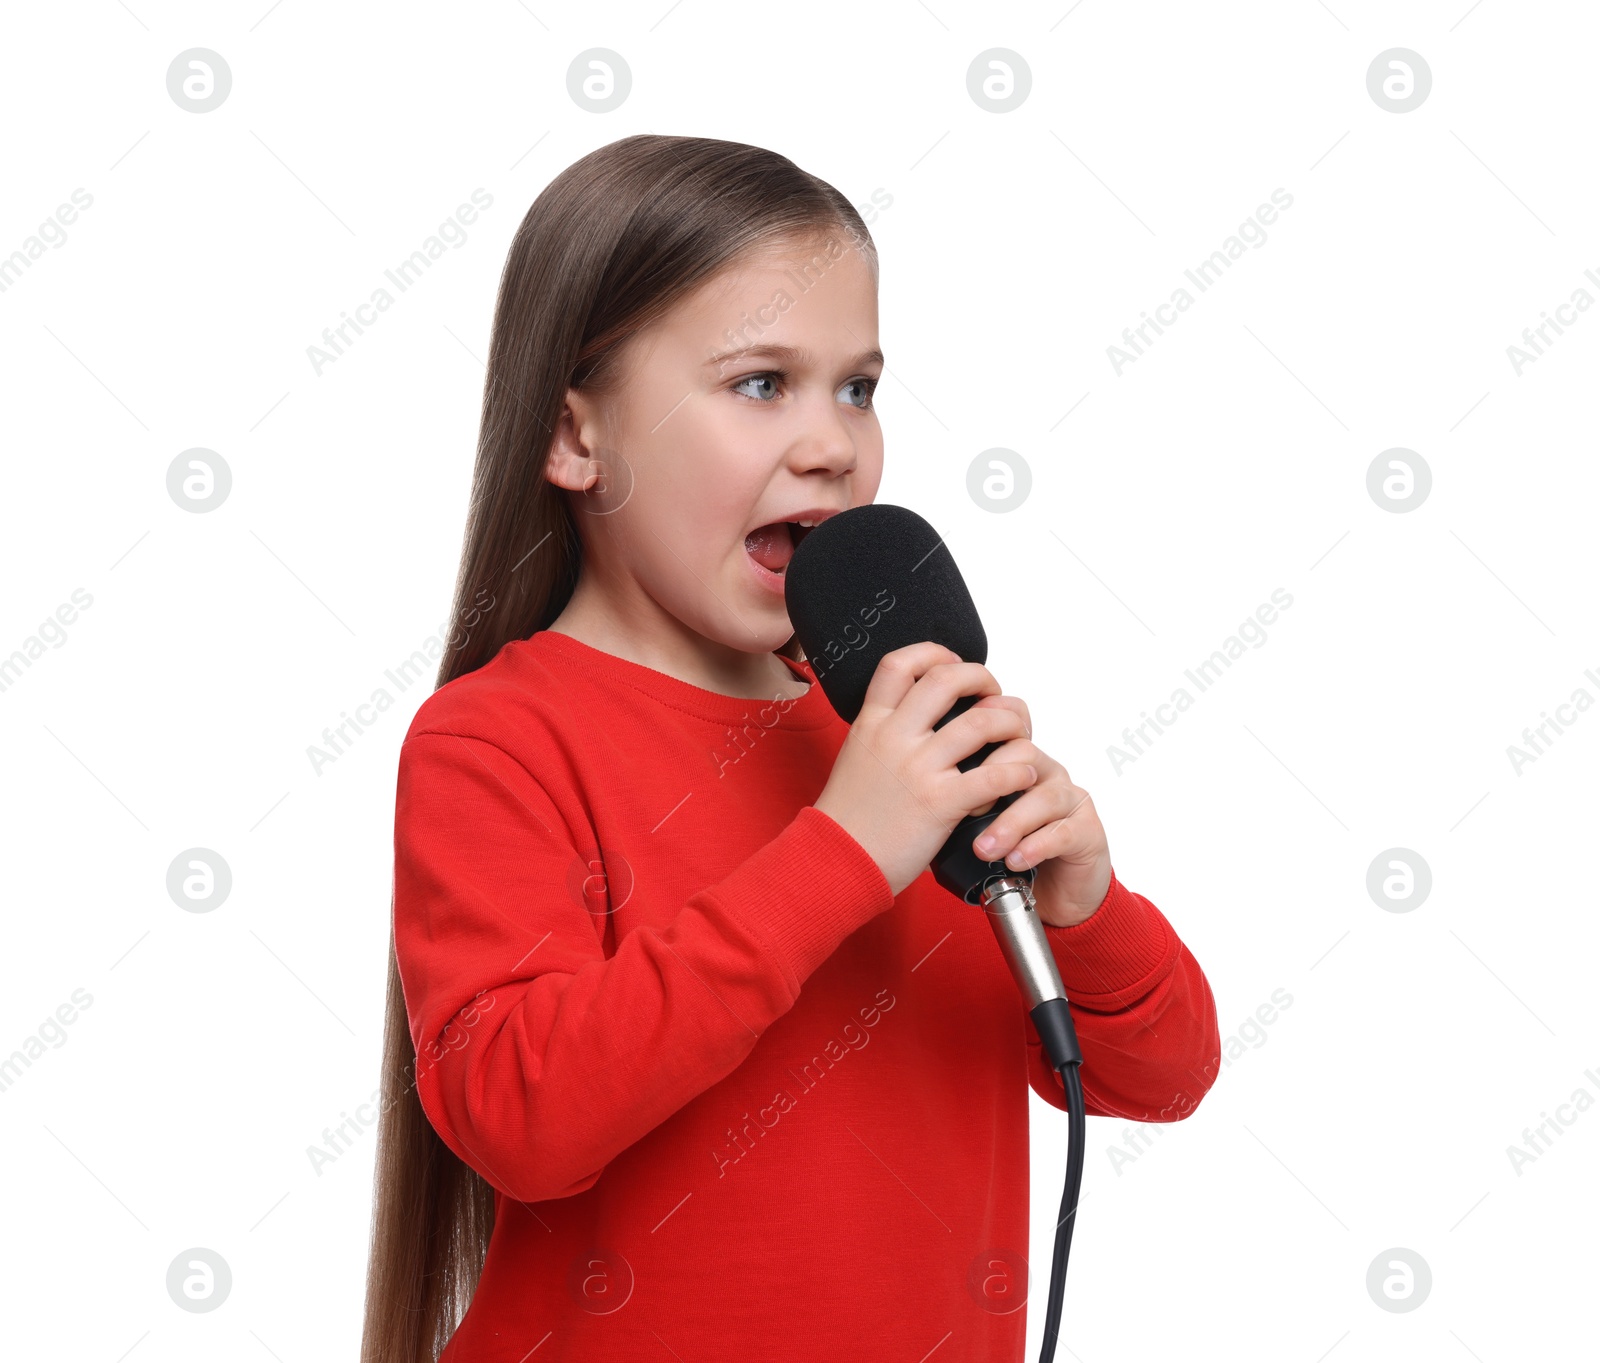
pixel 824 439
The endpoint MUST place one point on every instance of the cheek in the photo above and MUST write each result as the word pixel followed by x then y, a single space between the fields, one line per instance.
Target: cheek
pixel 695 494
pixel 869 469
pixel 722 476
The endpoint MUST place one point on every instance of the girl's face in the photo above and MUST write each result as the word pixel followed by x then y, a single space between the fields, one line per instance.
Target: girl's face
pixel 747 406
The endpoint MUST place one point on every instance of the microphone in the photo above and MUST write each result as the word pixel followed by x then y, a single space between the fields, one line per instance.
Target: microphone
pixel 866 582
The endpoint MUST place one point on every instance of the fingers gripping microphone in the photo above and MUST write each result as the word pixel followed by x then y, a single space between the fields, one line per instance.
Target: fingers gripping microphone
pixel 866 582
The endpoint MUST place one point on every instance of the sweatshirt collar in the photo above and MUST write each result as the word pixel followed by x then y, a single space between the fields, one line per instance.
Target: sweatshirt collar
pixel 809 711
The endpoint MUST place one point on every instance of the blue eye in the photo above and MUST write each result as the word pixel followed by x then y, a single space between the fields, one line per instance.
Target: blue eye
pixel 870 386
pixel 771 377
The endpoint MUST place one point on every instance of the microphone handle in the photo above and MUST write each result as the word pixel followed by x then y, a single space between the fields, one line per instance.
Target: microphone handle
pixel 956 866
pixel 1006 897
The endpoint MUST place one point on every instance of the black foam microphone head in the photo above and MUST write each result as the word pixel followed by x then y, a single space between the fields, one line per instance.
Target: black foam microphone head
pixel 868 581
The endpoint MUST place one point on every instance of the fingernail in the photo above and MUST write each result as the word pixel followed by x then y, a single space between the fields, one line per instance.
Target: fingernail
pixel 1033 771
pixel 987 842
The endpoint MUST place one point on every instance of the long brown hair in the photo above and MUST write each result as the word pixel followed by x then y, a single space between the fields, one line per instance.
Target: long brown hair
pixel 609 245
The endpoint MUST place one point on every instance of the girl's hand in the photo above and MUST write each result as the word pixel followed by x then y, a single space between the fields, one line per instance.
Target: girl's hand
pixel 1052 825
pixel 895 785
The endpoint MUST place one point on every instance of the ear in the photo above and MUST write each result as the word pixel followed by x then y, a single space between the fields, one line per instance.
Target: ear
pixel 571 463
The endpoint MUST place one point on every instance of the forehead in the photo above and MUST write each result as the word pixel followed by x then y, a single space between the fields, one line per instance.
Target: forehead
pixel 796 290
pixel 817 295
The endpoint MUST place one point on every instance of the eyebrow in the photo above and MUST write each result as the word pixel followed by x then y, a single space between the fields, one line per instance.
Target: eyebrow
pixel 788 353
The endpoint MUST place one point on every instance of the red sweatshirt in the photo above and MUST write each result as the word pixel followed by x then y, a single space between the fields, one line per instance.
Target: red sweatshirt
pixel 737 1101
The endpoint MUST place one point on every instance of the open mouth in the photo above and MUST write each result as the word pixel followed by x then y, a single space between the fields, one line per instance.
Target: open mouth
pixel 772 546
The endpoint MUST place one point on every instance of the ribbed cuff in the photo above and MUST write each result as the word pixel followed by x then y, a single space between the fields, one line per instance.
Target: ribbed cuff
pixel 806 891
pixel 1114 950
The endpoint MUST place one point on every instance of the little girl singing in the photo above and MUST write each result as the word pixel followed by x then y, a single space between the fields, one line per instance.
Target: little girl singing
pixel 687 1054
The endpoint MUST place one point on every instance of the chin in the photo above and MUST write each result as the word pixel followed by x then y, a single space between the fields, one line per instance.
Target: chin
pixel 761 636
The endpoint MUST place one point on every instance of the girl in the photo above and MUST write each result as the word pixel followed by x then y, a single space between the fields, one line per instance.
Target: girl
pixel 687 1054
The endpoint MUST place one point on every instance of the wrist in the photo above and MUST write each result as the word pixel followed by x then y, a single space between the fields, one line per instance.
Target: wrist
pixel 1114 950
pixel 1058 910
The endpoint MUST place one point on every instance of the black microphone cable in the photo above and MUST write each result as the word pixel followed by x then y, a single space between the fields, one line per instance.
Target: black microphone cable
pixel 1076 1135
pixel 1006 898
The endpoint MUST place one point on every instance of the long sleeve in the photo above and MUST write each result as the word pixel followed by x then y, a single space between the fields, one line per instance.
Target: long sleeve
pixel 1144 1013
pixel 541 1057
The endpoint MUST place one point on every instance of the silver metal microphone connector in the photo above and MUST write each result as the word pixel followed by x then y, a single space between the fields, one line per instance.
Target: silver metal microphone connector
pixel 1008 903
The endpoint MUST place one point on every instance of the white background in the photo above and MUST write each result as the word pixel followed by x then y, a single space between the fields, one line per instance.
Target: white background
pixel 1229 460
